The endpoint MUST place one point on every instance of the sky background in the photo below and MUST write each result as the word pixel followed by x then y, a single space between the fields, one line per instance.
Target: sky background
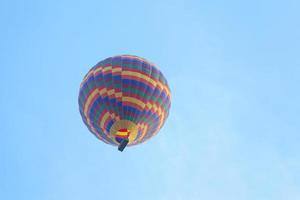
pixel 234 128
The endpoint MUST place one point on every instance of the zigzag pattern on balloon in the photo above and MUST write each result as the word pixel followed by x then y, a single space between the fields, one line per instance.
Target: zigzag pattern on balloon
pixel 124 92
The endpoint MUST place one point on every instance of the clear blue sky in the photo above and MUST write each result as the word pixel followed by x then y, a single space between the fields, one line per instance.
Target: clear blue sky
pixel 234 126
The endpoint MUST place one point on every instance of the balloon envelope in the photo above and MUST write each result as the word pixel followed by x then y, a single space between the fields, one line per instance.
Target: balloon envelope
pixel 124 98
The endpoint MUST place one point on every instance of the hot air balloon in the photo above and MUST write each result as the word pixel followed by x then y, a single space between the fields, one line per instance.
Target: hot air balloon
pixel 124 100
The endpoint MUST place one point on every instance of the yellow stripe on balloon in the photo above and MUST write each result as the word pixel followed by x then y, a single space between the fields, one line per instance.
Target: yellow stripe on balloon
pixel 118 94
pixel 110 92
pixel 108 68
pixel 147 79
pixel 155 107
pixel 98 69
pixel 116 69
pixel 144 127
pixel 138 75
pixel 149 105
pixel 103 120
pixel 102 91
pixel 161 120
pixel 133 100
pixel 88 101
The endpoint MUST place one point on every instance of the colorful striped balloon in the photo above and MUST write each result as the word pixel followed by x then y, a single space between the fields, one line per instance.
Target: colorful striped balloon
pixel 124 98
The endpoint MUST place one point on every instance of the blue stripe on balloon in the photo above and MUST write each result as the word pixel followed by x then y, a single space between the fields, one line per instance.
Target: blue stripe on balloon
pixel 109 125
